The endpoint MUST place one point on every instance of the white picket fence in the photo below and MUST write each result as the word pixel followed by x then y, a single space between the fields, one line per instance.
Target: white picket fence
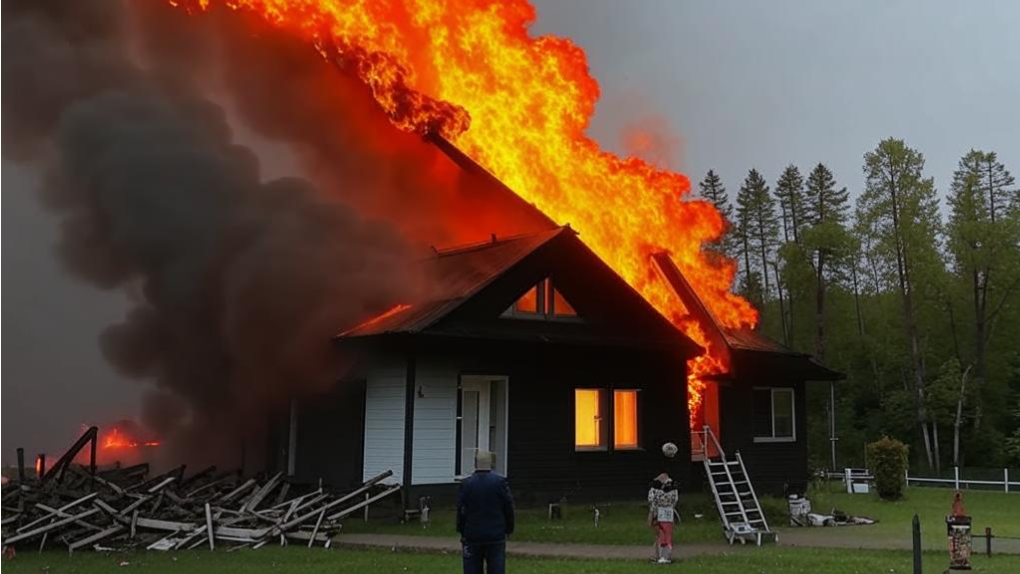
pixel 859 476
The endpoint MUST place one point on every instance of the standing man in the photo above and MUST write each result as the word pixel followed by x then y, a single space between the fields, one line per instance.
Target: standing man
pixel 485 517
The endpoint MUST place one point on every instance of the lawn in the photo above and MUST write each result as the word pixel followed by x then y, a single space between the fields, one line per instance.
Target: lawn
pixel 623 522
pixel 339 560
pixel 998 510
pixel 620 523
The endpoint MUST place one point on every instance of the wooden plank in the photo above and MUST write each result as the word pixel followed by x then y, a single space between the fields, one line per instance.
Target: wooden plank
pixel 261 493
pixel 95 537
pixel 53 512
pixel 318 523
pixel 63 508
pixel 347 512
pixel 209 526
pixel 51 526
pixel 298 499
pixel 209 486
pixel 237 491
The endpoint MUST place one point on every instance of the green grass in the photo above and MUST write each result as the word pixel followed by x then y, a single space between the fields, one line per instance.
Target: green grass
pixel 998 510
pixel 623 522
pixel 302 560
pixel 620 523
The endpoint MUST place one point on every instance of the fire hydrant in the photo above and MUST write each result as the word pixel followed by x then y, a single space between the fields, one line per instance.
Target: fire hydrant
pixel 958 531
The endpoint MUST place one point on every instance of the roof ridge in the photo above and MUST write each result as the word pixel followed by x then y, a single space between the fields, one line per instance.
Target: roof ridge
pixel 494 241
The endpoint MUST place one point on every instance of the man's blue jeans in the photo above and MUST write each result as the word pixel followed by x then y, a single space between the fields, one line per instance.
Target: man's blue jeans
pixel 492 555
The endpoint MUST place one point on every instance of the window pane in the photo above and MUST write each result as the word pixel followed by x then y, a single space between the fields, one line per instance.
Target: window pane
pixel 560 306
pixel 587 418
pixel 761 408
pixel 625 433
pixel 782 407
pixel 528 303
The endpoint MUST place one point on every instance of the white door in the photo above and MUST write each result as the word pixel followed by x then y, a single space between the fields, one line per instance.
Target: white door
pixel 474 421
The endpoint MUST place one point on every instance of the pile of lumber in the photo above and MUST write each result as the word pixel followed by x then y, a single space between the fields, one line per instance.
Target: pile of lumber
pixel 81 507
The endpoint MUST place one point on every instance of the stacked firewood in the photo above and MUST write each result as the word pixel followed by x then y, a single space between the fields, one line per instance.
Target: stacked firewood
pixel 81 507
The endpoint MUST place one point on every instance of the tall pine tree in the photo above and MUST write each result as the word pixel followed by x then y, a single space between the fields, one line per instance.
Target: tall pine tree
pixel 758 228
pixel 826 210
pixel 790 193
pixel 713 191
pixel 983 237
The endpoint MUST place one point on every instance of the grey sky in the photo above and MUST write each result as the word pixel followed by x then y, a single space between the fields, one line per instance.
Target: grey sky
pixel 744 84
pixel 766 83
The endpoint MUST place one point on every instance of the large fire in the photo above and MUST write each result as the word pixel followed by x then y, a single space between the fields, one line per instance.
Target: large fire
pixel 520 106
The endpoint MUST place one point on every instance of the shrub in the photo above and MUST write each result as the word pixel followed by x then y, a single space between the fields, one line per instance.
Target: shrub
pixel 888 461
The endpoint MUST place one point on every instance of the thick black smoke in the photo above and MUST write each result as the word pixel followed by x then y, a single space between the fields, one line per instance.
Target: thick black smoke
pixel 239 284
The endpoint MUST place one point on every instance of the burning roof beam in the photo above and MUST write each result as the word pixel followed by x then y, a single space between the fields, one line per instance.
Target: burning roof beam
pixel 695 307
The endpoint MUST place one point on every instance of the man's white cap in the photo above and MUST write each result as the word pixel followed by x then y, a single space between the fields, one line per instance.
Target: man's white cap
pixel 484 460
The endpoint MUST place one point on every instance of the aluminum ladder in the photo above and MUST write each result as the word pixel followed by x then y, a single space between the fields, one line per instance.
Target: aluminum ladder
pixel 739 510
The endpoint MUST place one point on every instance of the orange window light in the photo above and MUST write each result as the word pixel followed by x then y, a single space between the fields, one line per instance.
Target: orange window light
pixel 560 306
pixel 587 418
pixel 625 434
pixel 528 303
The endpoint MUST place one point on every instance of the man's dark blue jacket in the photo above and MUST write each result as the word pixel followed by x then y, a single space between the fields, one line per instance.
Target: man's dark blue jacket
pixel 485 509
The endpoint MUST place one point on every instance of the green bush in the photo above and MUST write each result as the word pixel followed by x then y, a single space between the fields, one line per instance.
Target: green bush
pixel 888 461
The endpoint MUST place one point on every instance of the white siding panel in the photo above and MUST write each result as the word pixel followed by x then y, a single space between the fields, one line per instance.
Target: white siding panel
pixel 435 424
pixel 384 423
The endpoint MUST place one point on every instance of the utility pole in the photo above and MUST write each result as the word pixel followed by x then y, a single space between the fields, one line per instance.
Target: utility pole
pixel 832 422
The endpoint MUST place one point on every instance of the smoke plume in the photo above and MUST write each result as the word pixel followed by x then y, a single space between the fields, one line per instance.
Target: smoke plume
pixel 238 284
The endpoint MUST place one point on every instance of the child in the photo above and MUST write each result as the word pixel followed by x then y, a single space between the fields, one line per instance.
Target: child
pixel 662 498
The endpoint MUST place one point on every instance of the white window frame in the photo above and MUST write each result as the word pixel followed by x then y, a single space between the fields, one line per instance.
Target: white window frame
pixel 772 413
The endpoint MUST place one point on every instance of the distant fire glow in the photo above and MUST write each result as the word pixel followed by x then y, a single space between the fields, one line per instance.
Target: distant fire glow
pixel 117 438
pixel 520 106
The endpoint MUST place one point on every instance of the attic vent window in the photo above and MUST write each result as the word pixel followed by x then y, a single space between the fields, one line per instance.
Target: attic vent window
pixel 543 301
pixel 528 303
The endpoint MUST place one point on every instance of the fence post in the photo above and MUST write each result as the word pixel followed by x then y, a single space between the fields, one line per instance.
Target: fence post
pixel 916 527
pixel 1005 478
pixel 906 477
pixel 956 477
pixel 988 541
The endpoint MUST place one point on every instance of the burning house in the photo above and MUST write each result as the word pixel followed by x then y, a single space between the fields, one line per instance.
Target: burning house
pixel 532 347
pixel 572 355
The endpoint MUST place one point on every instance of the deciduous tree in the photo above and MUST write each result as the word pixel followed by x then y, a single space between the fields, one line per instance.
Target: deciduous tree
pixel 901 210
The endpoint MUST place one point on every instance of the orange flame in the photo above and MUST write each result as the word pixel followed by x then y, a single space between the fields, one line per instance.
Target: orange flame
pixel 117 440
pixel 529 100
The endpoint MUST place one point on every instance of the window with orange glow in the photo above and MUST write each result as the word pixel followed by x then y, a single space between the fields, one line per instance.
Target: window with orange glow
pixel 588 420
pixel 625 419
pixel 528 303
pixel 543 301
pixel 560 307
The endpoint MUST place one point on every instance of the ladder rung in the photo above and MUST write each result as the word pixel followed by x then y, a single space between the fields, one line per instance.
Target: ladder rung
pixel 730 503
pixel 733 514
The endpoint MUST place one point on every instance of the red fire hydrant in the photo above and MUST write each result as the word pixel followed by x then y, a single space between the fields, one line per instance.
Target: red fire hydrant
pixel 958 531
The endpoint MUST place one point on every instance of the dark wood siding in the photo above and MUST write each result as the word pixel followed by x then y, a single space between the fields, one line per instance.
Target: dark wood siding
pixel 542 463
pixel 775 467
